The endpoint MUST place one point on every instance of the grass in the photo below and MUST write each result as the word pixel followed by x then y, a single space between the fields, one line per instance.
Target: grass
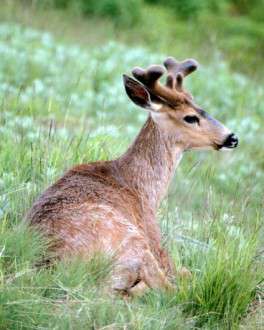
pixel 63 103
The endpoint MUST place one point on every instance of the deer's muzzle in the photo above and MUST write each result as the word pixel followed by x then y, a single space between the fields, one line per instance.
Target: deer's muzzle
pixel 230 142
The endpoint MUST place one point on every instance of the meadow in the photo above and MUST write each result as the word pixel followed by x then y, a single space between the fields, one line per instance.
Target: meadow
pixel 63 103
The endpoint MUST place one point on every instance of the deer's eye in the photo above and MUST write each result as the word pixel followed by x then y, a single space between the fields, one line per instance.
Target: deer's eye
pixel 191 119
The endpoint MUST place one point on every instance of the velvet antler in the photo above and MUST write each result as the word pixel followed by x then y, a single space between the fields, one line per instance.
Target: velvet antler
pixel 178 70
pixel 172 90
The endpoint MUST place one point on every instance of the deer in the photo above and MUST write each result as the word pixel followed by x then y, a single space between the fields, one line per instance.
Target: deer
pixel 110 206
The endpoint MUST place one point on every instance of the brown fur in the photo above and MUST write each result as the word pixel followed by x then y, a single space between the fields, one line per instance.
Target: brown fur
pixel 110 207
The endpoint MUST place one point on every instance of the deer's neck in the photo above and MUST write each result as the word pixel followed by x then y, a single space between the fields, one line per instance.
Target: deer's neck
pixel 149 163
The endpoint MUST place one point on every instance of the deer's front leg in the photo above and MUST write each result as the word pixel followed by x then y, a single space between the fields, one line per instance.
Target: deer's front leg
pixel 135 274
pixel 152 274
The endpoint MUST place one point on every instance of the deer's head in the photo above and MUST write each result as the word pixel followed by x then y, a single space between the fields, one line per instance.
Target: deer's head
pixel 173 108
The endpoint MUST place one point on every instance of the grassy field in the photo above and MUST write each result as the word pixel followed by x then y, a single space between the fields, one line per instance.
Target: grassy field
pixel 61 103
pixel 235 38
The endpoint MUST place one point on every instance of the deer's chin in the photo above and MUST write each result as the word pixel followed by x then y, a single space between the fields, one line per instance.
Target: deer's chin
pixel 223 148
pixel 217 146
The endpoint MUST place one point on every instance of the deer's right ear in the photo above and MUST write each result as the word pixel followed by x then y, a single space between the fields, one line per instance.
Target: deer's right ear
pixel 138 94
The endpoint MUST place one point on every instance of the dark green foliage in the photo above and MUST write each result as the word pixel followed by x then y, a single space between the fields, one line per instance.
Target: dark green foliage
pixel 128 12
pixel 186 8
pixel 253 8
pixel 191 8
pixel 183 8
pixel 121 12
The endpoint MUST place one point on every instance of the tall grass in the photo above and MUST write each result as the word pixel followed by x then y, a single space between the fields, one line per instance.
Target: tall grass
pixel 62 105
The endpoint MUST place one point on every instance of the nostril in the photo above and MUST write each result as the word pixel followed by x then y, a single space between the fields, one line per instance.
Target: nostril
pixel 231 141
pixel 233 137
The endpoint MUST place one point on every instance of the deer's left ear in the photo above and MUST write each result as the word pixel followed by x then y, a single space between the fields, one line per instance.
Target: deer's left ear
pixel 139 94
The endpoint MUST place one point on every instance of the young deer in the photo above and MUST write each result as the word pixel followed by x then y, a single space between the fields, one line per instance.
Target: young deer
pixel 110 206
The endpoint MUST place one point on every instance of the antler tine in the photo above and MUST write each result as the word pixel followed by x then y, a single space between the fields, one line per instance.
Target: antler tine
pixel 185 67
pixel 150 76
pixel 178 70
pixel 171 92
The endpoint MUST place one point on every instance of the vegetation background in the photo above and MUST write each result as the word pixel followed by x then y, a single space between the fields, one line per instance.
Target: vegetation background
pixel 62 102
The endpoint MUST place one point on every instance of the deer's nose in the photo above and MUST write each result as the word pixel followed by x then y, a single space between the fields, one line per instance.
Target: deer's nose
pixel 231 141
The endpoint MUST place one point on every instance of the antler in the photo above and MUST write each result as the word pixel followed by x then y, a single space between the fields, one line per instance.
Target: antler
pixel 172 90
pixel 178 70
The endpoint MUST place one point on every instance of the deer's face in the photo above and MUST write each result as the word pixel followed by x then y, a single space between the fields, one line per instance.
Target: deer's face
pixel 173 109
pixel 194 128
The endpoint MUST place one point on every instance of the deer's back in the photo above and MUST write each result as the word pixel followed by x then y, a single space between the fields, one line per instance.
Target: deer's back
pixel 90 205
pixel 87 183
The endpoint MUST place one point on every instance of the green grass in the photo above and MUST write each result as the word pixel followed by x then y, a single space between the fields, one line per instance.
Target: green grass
pixel 63 103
